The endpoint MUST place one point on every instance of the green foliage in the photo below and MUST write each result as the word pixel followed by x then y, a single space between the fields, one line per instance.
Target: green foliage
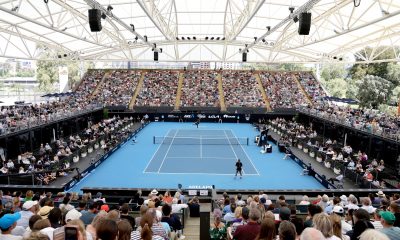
pixel 336 87
pixel 359 70
pixel 393 73
pixel 333 71
pixel 291 67
pixel 47 74
pixel 373 91
pixel 390 110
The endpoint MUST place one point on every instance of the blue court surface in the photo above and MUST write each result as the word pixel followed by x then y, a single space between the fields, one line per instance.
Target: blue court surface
pixel 167 154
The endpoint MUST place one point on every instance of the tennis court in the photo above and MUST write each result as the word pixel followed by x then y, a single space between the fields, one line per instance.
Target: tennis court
pixel 168 153
pixel 199 151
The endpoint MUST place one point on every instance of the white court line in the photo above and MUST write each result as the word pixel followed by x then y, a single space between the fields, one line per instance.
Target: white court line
pixel 232 149
pixel 222 174
pixel 198 157
pixel 201 148
pixel 166 154
pixel 154 154
pixel 248 157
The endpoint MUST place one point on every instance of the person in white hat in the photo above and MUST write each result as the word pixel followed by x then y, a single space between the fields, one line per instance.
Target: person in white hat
pixel 29 208
pixel 338 210
pixel 381 196
pixel 72 214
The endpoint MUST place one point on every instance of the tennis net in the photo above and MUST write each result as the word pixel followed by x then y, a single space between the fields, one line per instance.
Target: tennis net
pixel 200 140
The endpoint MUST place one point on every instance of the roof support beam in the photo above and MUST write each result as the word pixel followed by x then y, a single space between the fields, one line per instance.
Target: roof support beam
pixel 3 9
pixel 96 5
pixel 306 7
pixel 243 20
pixel 168 30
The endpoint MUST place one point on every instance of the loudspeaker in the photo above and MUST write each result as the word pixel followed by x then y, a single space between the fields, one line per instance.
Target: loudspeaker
pixel 95 20
pixel 155 56
pixel 244 57
pixel 304 23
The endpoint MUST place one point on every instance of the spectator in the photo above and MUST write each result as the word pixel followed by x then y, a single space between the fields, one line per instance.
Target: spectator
pixel 172 219
pixel 267 230
pixel 108 229
pixel 361 223
pixel 29 208
pixel 251 229
pixel 372 234
pixel 125 214
pixel 55 218
pixel 312 210
pixel 387 220
pixel 7 223
pixel 88 215
pixel 146 233
pixel 395 209
pixel 323 223
pixel 286 231
pixel 337 227
pixel 311 234
pixel 217 228
pixel 124 230
pixel 305 201
pixel 194 207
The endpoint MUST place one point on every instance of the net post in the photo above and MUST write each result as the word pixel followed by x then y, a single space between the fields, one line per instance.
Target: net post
pixel 154 139
pixel 247 141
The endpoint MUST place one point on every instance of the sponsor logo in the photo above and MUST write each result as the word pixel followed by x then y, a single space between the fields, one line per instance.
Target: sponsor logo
pixel 200 187
pixel 319 178
pixel 201 116
pixel 84 174
pixel 187 116
pixel 229 116
pixel 71 184
pixel 172 116
pixel 97 163
pixel 213 116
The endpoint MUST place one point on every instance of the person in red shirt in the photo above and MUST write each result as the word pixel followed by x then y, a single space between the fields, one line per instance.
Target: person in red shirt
pixel 251 229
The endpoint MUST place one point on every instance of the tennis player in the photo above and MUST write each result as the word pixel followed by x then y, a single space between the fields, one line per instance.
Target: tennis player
pixel 197 122
pixel 239 167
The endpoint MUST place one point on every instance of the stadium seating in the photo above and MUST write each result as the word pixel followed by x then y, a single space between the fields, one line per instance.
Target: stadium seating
pixel 200 88
pixel 159 88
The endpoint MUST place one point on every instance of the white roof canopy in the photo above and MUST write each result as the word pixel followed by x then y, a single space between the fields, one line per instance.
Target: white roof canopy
pixel 30 29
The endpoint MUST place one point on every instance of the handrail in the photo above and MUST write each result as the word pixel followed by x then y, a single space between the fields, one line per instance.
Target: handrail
pixel 314 113
pixel 31 124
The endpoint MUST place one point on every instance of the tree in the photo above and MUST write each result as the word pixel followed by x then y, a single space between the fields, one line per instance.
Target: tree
pixel 359 70
pixel 373 91
pixel 47 74
pixel 393 73
pixel 333 71
pixel 336 87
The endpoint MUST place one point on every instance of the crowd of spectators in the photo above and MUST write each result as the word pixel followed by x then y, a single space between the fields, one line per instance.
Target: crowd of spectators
pixel 52 160
pixel 159 88
pixel 42 216
pixel 241 90
pixel 330 151
pixel 257 217
pixel 200 88
pixel 282 90
pixel 83 93
pixel 369 120
pixel 311 86
pixel 117 89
